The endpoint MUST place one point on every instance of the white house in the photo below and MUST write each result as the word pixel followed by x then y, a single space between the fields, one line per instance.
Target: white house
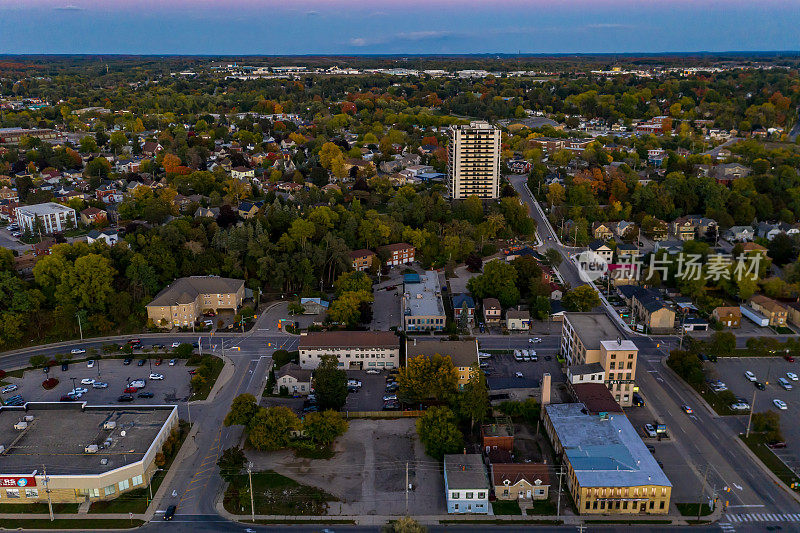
pixel 52 217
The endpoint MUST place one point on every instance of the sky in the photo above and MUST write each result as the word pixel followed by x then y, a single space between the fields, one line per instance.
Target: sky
pixel 284 27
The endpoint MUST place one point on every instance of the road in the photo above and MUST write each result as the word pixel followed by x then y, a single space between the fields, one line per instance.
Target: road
pixel 707 443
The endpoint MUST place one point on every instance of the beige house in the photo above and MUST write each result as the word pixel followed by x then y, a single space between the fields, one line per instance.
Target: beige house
pixel 775 312
pixel 463 354
pixel 521 481
pixel 355 350
pixel 728 316
pixel 602 230
pixel 593 338
pixel 492 311
pixel 517 320
pixel 186 299
pixel 297 380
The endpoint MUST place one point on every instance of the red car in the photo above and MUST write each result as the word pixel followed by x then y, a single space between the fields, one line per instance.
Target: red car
pixel 159 361
pixel 130 390
pixel 789 358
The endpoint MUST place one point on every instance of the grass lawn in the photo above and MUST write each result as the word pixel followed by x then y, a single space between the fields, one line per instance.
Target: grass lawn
pixel 216 367
pixel 136 501
pixel 623 521
pixel 38 508
pixel 68 523
pixel 501 507
pixel 716 403
pixel 759 447
pixel 502 522
pixel 275 495
pixel 690 509
pixel 314 452
pixel 301 521
pixel 542 508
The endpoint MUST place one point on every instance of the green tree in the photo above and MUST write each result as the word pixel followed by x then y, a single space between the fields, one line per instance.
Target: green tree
pixel 582 298
pixel 243 409
pixel 425 379
pixel 352 282
pixel 499 280
pixel 404 524
pixel 324 427
pixel 439 433
pixel 472 401
pixel 330 383
pixel 553 257
pixel 346 309
pixel 231 463
pixel 271 428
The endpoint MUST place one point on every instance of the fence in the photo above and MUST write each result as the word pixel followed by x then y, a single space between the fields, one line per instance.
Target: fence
pixel 383 414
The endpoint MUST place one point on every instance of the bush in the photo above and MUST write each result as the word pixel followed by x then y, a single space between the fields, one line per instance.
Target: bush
pixel 50 383
pixel 2 374
pixel 686 365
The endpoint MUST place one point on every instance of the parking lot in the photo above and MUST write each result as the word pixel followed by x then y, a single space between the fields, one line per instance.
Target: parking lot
pixel 501 370
pixel 370 396
pixel 767 370
pixel 173 388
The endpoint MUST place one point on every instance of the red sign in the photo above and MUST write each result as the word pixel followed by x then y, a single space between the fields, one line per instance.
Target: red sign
pixel 19 482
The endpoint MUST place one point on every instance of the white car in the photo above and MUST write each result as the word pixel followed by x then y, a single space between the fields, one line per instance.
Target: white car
pixel 650 431
pixel 77 351
pixel 87 381
pixel 137 383
pixel 792 376
pixel 175 344
pixel 78 390
pixel 172 362
pixel 99 385
pixel 156 376
pixel 518 374
pixel 90 363
pixel 389 397
pixel 9 388
pixel 750 376
pixel 780 404
pixel 784 383
pixel 372 371
pixel 353 383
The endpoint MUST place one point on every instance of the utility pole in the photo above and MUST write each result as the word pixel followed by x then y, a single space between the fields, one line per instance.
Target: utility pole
pixel 750 416
pixel 702 491
pixel 252 504
pixel 47 490
pixel 406 488
pixel 558 505
pixel 80 328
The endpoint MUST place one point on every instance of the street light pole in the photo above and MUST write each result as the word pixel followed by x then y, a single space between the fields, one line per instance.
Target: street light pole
pixel 750 416
pixel 252 502
pixel 80 328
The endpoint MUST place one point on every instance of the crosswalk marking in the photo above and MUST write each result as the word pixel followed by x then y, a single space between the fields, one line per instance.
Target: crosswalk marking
pixel 763 517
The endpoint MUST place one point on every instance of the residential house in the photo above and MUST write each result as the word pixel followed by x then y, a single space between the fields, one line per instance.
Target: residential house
pixel 397 254
pixel 518 320
pixel 492 311
pixel 739 234
pixel 684 228
pixel 659 231
pixel 90 215
pixel 648 308
pixel 793 313
pixel 463 354
pixel 242 173
pixel 9 194
pixel 497 436
pixel 151 148
pixel 108 236
pixel 602 249
pixel 463 302
pixel 626 250
pixel 314 306
pixel 248 209
pixel 361 260
pixel 186 299
pixel 602 230
pixel 466 484
pixel 727 172
pixel 521 481
pixel 294 379
pixel 355 350
pixel 206 212
pixel 625 229
pixel 43 247
pixel 774 311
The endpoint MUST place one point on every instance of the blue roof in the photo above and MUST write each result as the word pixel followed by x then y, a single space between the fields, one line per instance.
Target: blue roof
pixel 411 278
pixel 424 176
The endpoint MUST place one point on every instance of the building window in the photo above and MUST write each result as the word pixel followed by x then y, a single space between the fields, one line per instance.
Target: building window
pixel 456 495
pixel 625 504
pixel 124 485
pixel 588 505
pixel 505 492
pixel 109 490
pixel 468 495
pixel 652 505
pixel 12 493
pixel 136 480
pixel 31 493
pixel 481 495
pixel 661 505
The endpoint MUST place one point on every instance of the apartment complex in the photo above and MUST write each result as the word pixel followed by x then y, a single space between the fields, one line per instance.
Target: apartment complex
pixel 473 161
pixel 91 453
pixel 593 338
pixel 774 311
pixel 186 299
pixel 422 306
pixel 48 217
pixel 360 350
pixel 399 253
pixel 609 468
pixel 361 260
pixel 463 354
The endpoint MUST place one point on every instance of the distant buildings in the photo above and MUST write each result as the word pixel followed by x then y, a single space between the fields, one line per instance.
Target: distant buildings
pixel 473 166
pixel 593 338
pixel 49 217
pixel 421 305
pixel 361 350
pixel 609 468
pixel 186 299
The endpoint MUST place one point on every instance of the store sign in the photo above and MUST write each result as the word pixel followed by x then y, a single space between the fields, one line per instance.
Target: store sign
pixel 29 481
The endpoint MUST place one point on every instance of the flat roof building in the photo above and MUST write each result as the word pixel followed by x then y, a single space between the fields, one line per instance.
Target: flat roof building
pixel 422 305
pixel 48 217
pixel 90 452
pixel 360 350
pixel 473 161
pixel 609 468
pixel 593 338
pixel 463 354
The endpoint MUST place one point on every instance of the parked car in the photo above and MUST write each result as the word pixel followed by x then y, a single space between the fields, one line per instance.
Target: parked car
pixel 759 385
pixel 785 384
pixel 637 401
pixel 145 395
pixel 372 371
pixel 518 374
pixel 175 344
pixel 159 361
pixel 391 405
pixel 392 387
pixel 650 431
pixel 750 376
pixel 353 383
pixel 780 404
pixel 68 398
pixel 389 397
pixel 156 376
pixel 127 361
pixel 77 351
pixel 8 388
pixel 792 376
pixel 87 381
pixel 740 406
pixel 64 367
pixel 99 385
pixel 90 363
pixel 141 362
pixel 172 362
pixel 79 390
pixel 775 445
pixel 789 358
pixel 130 390
pixel 138 383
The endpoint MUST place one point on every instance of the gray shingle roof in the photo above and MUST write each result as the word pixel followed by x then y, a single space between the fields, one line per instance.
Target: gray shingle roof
pixel 186 290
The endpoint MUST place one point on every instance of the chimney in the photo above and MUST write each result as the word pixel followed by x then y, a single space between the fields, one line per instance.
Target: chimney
pixel 545 400
pixel 415 342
